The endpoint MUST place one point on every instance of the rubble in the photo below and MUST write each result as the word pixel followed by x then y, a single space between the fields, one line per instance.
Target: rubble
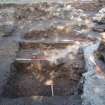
pixel 100 16
pixel 99 20
pixel 54 12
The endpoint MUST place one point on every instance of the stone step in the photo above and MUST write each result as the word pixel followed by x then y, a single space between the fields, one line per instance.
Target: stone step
pixel 26 44
pixel 42 100
pixel 34 51
pixel 63 41
pixel 29 44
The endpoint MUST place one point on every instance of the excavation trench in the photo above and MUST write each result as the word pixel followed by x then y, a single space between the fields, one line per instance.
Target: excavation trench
pixel 48 70
pixel 49 62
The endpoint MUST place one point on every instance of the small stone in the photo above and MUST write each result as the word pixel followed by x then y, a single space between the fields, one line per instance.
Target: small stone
pixel 99 28
pixel 103 36
pixel 100 16
pixel 100 68
pixel 49 82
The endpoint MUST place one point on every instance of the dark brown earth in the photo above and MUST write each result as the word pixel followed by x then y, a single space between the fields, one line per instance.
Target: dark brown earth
pixel 33 75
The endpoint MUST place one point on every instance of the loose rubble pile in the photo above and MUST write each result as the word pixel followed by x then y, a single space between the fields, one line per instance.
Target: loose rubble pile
pixel 55 13
pixel 100 16
pixel 87 5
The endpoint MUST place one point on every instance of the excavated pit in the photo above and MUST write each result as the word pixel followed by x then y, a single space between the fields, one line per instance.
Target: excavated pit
pixel 51 60
pixel 36 70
